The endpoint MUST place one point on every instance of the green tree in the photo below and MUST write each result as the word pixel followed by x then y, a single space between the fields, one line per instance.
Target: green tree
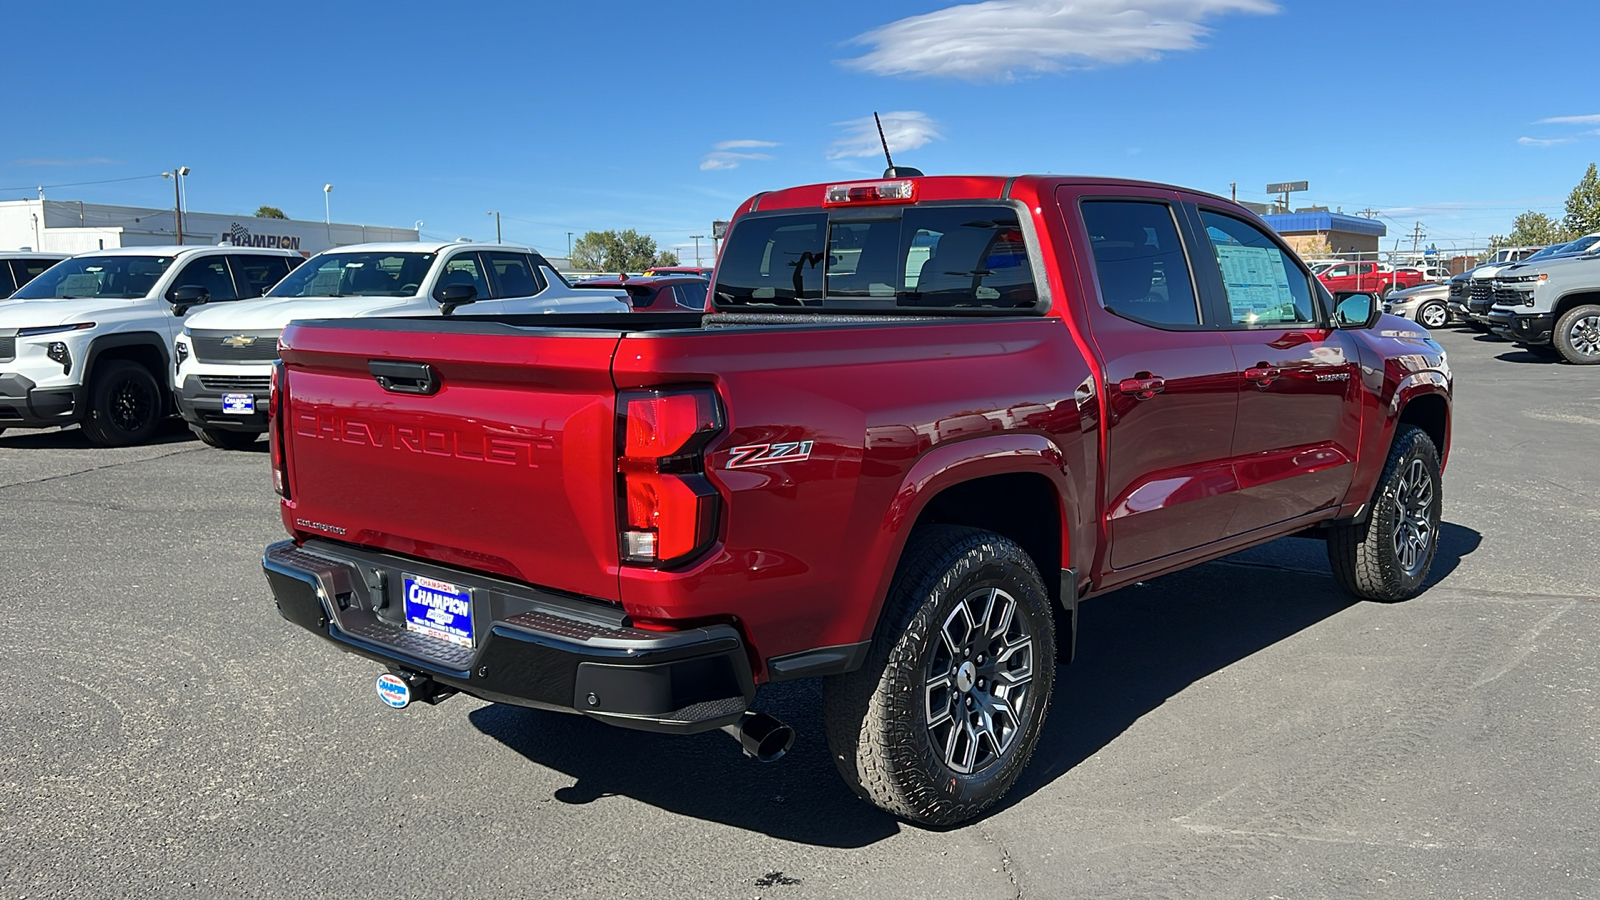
pixel 269 212
pixel 1583 205
pixel 619 251
pixel 1535 229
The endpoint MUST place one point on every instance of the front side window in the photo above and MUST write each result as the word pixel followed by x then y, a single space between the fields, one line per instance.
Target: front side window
pixel 933 257
pixel 1263 284
pixel 1139 261
pixel 462 269
pixel 210 273
pixel 110 277
pixel 255 274
pixel 356 274
pixel 514 273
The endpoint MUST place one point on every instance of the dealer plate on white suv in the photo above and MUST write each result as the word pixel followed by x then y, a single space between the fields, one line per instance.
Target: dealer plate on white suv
pixel 239 404
pixel 439 609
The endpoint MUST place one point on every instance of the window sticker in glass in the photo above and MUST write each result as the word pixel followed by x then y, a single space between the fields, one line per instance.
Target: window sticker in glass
pixel 1264 286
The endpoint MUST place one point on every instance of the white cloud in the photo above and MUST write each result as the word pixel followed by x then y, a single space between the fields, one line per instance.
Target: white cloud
pixel 729 154
pixel 904 131
pixel 1543 142
pixel 998 39
pixel 744 144
pixel 1569 120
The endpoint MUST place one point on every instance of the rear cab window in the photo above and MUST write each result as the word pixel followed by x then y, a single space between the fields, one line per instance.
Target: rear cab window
pixel 938 257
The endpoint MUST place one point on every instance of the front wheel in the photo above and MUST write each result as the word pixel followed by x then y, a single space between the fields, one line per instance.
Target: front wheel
pixel 225 440
pixel 1433 315
pixel 941 719
pixel 125 405
pixel 1577 335
pixel 1387 557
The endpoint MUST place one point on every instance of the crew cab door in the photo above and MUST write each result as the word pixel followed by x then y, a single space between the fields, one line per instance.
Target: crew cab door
pixel 1171 385
pixel 1299 420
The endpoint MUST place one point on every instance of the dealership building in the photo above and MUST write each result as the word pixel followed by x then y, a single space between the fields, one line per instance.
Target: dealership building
pixel 69 226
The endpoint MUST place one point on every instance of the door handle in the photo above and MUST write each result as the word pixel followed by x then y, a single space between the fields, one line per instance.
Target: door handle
pixel 1142 388
pixel 404 377
pixel 1262 375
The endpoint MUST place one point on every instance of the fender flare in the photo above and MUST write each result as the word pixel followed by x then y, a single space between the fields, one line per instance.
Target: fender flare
pixel 98 346
pixel 947 465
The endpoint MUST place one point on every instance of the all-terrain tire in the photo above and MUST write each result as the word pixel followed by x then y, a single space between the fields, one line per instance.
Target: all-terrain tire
pixel 225 440
pixel 1387 557
pixel 907 729
pixel 1577 335
pixel 1435 311
pixel 125 405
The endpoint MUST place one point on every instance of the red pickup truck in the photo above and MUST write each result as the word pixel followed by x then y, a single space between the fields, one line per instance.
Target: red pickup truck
pixel 1369 277
pixel 924 418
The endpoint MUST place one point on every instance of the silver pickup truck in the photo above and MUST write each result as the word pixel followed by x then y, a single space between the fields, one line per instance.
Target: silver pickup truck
pixel 1551 307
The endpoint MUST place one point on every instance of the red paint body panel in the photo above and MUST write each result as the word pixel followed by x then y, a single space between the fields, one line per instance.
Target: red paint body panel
pixel 510 467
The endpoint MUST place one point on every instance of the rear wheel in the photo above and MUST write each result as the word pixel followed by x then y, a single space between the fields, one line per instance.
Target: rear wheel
pixel 1433 314
pixel 1577 335
pixel 125 405
pixel 1387 557
pixel 225 440
pixel 941 719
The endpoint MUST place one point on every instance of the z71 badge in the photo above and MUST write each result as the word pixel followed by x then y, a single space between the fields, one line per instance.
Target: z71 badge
pixel 751 455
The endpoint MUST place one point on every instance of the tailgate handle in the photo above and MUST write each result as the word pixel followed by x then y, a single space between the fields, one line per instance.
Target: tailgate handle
pixel 404 377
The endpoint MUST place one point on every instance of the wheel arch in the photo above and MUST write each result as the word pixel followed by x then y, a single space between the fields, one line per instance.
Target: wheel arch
pixel 1013 485
pixel 1425 404
pixel 146 348
pixel 1567 302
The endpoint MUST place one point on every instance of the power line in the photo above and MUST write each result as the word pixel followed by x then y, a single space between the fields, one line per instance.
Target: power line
pixel 34 187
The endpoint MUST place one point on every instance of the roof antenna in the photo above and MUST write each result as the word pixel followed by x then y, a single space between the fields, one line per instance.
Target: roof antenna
pixel 891 172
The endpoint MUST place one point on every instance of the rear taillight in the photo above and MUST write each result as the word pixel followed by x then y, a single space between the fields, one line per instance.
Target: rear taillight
pixel 667 508
pixel 277 408
pixel 870 192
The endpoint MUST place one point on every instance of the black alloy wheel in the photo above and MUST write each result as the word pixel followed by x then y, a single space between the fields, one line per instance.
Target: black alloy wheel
pixel 125 405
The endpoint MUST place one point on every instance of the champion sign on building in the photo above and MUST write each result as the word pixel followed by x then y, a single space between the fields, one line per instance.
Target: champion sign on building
pixel 240 236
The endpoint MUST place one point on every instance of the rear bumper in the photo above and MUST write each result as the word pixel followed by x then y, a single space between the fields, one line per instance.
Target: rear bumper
pixel 202 407
pixel 23 405
pixel 531 647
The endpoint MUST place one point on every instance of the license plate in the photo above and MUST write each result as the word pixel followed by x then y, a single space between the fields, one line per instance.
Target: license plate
pixel 439 609
pixel 239 404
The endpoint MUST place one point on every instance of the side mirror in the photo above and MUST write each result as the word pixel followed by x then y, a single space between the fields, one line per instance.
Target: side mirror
pixel 454 295
pixel 1356 310
pixel 187 296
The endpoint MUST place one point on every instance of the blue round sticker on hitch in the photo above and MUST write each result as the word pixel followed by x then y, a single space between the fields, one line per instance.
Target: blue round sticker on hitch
pixel 394 691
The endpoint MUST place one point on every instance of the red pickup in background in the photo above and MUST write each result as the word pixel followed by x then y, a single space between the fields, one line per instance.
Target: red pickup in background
pixel 1370 277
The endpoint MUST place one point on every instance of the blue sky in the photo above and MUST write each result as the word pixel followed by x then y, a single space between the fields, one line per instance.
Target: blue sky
pixel 592 115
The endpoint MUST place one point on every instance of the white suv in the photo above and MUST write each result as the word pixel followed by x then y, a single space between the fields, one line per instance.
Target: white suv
pixel 88 340
pixel 225 356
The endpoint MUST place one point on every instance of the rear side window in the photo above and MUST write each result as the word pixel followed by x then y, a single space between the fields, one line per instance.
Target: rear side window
pixel 6 284
pixel 26 270
pixel 1263 284
pixel 1139 261
pixel 257 274
pixel 691 295
pixel 915 258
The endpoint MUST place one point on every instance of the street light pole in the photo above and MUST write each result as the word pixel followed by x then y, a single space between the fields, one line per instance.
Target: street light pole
pixel 327 214
pixel 697 238
pixel 569 248
pixel 496 215
pixel 177 197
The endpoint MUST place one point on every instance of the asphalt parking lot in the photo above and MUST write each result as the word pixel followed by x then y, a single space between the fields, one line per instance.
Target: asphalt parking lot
pixel 1238 730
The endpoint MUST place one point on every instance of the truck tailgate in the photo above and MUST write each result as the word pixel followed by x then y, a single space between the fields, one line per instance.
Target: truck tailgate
pixel 497 456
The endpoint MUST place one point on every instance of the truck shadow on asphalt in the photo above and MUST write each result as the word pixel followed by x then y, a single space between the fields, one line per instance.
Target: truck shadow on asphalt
pixel 1528 356
pixel 1138 647
pixel 170 432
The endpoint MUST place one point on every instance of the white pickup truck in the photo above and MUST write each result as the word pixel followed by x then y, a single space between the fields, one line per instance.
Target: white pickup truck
pixel 225 355
pixel 89 340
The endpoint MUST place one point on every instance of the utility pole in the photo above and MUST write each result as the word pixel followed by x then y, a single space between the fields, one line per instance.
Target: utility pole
pixel 569 248
pixel 1369 212
pixel 1416 238
pixel 1233 187
pixel 496 215
pixel 697 238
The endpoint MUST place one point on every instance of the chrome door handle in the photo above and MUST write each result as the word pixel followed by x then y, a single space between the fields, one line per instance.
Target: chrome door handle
pixel 1142 388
